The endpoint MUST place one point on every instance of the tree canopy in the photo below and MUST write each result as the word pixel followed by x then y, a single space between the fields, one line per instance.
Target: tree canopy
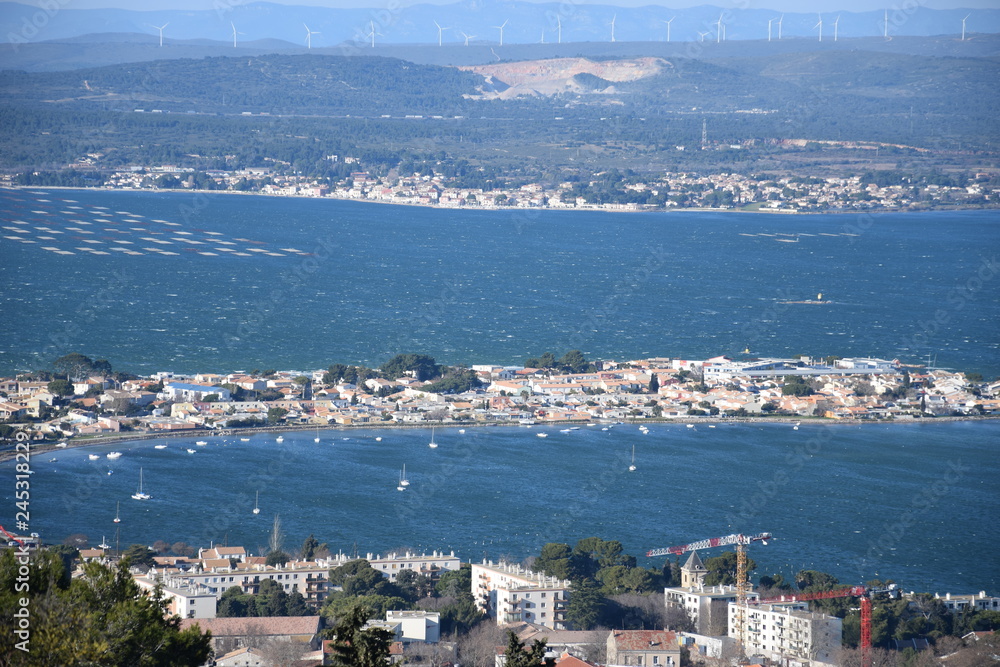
pixel 354 647
pixel 99 618
pixel 517 654
pixel 722 569
pixel 423 367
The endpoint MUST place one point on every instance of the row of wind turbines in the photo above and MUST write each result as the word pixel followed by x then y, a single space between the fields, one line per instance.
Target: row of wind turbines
pixel 720 30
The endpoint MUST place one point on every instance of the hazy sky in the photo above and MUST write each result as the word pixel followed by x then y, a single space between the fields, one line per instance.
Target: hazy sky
pixel 777 5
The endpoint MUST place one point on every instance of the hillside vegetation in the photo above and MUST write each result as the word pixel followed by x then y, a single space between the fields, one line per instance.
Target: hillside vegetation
pixel 243 111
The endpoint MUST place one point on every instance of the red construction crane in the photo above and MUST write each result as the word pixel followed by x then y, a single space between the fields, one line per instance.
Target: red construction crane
pixel 741 541
pixel 862 592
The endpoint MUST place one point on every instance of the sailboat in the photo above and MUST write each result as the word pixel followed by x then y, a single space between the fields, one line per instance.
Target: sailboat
pixel 316 439
pixel 118 511
pixel 256 504
pixel 402 478
pixel 139 495
pixel 432 444
pixel 104 543
pixel 402 482
pixel 631 468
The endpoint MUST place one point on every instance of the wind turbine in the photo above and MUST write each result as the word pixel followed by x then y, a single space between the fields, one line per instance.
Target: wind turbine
pixel 309 34
pixel 769 22
pixel 235 33
pixel 701 36
pixel 559 29
pixel 963 28
pixel 718 30
pixel 373 33
pixel 835 23
pixel 160 28
pixel 467 37
pixel 779 26
pixel 820 26
pixel 500 28
pixel 668 28
pixel 613 18
pixel 440 31
pixel 885 24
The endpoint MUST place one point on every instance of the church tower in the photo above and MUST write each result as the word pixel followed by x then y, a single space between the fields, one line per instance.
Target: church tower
pixel 693 572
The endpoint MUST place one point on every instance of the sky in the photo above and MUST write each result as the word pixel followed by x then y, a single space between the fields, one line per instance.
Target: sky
pixel 776 5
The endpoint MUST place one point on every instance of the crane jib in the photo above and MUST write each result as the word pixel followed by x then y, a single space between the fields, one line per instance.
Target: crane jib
pixel 708 544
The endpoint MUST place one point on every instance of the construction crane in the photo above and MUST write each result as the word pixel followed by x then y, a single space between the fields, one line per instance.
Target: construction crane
pixel 862 592
pixel 742 587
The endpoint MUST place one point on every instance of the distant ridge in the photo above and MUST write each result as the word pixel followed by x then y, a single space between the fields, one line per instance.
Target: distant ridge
pixel 100 49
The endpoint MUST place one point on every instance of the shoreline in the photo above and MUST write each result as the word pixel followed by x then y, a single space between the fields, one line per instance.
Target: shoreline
pixel 513 209
pixel 50 447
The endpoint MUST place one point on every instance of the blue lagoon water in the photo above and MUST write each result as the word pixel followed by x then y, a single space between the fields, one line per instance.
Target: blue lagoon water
pixel 183 282
pixel 368 281
pixel 914 503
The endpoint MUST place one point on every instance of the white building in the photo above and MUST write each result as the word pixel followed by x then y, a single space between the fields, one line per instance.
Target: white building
pixel 960 603
pixel 788 634
pixel 310 579
pixel 186 600
pixel 182 391
pixel 706 606
pixel 390 565
pixel 513 594
pixel 416 626
pixel 704 646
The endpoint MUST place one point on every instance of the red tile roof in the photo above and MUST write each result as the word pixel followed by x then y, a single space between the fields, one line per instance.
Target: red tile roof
pixel 263 626
pixel 646 640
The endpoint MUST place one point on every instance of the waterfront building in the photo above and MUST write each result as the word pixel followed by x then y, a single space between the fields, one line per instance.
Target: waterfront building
pixel 182 391
pixel 788 633
pixel 512 594
pixel 390 565
pixel 978 602
pixel 706 606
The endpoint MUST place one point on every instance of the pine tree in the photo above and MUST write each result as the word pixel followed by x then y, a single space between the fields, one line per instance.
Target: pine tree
pixel 516 655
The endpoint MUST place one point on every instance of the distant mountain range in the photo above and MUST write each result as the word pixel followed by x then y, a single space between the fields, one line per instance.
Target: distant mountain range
pixel 478 22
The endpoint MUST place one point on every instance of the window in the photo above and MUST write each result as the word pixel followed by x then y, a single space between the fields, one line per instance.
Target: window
pixel 656 659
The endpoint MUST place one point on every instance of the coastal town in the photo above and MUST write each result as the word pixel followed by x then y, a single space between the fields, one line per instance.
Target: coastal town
pixel 288 607
pixel 643 390
pixel 665 191
pixel 702 624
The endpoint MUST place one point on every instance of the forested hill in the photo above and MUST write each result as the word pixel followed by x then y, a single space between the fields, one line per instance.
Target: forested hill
pixel 300 84
pixel 906 99
pixel 508 115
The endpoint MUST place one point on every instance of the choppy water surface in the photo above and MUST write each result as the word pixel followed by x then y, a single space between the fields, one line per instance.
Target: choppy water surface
pixel 187 283
pixel 915 503
pixel 256 282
